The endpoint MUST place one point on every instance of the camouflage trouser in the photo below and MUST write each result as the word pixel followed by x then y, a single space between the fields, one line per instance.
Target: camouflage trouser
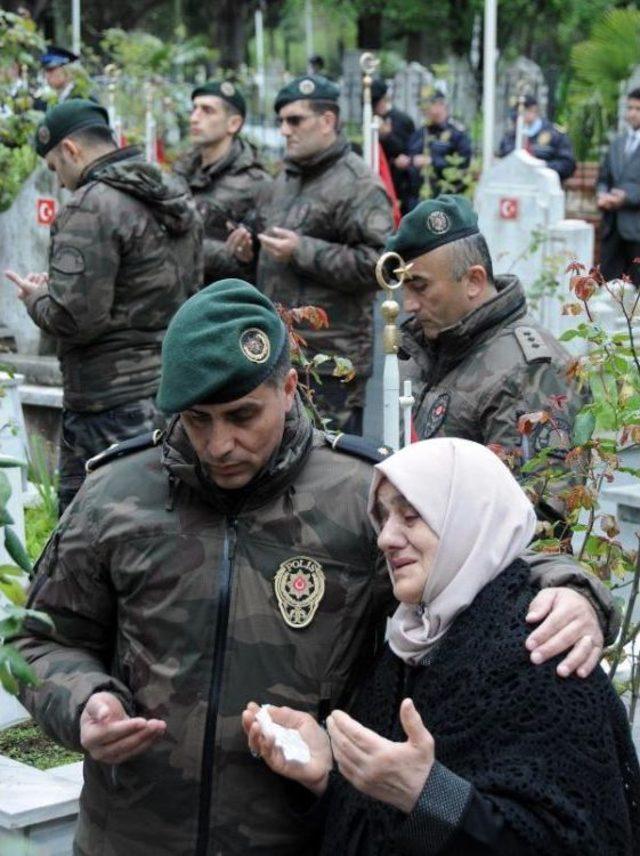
pixel 342 403
pixel 86 434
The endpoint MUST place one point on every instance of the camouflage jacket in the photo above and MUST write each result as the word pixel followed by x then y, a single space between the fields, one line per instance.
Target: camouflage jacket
pixel 344 217
pixel 483 373
pixel 228 190
pixel 171 594
pixel 125 253
pixel 162 591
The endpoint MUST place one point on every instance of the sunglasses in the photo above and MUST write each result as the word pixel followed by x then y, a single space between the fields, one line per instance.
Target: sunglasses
pixel 293 121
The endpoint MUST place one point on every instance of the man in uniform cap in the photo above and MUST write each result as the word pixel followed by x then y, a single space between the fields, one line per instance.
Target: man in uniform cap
pixel 440 149
pixel 224 173
pixel 395 131
pixel 325 223
pixel 62 78
pixel 232 559
pixel 126 252
pixel 477 360
pixel 542 139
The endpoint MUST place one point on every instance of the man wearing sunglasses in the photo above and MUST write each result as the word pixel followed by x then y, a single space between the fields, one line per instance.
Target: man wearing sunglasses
pixel 324 225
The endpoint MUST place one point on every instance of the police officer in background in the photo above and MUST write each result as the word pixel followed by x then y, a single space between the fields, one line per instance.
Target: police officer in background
pixel 395 130
pixel 543 140
pixel 233 558
pixel 441 145
pixel 126 252
pixel 324 225
pixel 477 361
pixel 62 79
pixel 223 172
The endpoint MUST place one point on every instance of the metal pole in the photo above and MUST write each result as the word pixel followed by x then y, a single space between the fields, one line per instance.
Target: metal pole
pixel 489 82
pixel 308 27
pixel 75 26
pixel 261 75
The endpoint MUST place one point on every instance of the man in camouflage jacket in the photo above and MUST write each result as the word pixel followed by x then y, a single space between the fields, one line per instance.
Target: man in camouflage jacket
pixel 125 253
pixel 224 173
pixel 231 560
pixel 323 228
pixel 477 361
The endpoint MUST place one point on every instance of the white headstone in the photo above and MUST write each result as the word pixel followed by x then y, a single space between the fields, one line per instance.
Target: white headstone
pixel 520 206
pixel 521 77
pixel 409 85
pixel 24 247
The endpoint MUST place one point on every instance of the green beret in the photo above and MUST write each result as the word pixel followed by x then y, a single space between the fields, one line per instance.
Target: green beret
pixel 220 345
pixel 226 90
pixel 311 87
pixel 64 119
pixel 432 224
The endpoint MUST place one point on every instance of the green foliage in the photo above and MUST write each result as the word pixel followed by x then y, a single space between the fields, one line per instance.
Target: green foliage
pixel 19 43
pixel 599 65
pixel 13 580
pixel 26 743
pixel 602 431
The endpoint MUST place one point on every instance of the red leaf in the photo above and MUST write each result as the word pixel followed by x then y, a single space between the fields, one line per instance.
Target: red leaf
pixel 574 266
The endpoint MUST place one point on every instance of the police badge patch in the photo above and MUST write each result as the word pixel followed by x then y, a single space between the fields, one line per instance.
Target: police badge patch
pixel 545 138
pixel 306 87
pixel 438 222
pixel 299 588
pixel 255 345
pixel 436 415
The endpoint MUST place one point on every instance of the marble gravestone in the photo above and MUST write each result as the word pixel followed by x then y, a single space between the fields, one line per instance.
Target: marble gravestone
pixel 521 77
pixel 409 86
pixel 521 208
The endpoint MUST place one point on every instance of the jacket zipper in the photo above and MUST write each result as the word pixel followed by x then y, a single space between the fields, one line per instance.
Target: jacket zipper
pixel 222 623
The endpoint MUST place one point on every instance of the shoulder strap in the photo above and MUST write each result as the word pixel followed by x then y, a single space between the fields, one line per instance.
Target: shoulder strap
pixel 127 447
pixel 352 444
pixel 532 345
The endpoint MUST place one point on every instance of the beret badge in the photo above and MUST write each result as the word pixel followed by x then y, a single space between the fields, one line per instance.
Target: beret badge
pixel 44 135
pixel 438 222
pixel 306 86
pixel 255 345
pixel 227 89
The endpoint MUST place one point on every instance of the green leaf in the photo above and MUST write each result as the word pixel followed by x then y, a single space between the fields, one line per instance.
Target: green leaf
pixel 16 550
pixel 583 427
pixel 6 461
pixel 5 489
pixel 17 665
pixel 13 590
pixel 7 680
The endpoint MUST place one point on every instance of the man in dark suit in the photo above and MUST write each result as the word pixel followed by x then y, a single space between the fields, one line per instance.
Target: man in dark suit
pixel 395 131
pixel 619 198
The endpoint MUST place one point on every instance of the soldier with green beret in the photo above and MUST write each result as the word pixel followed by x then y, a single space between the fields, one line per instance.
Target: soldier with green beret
pixel 224 172
pixel 477 360
pixel 323 227
pixel 126 252
pixel 230 558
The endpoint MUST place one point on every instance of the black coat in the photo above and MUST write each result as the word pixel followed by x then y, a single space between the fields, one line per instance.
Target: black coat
pixel 528 764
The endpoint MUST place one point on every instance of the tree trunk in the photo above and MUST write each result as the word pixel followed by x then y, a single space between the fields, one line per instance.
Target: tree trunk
pixel 230 18
pixel 370 30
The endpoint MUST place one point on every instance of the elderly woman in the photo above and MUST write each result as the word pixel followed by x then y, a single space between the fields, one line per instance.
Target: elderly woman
pixel 455 744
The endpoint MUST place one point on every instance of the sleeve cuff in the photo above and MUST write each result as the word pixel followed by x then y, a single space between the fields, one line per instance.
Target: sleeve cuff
pixel 437 814
pixel 34 297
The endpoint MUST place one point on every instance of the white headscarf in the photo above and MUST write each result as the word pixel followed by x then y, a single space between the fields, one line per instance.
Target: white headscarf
pixel 482 517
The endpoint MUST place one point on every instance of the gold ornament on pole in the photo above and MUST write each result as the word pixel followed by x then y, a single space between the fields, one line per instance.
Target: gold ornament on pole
pixel 391 399
pixel 368 64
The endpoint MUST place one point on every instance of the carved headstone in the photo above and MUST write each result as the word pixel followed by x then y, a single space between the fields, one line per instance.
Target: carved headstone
pixel 409 87
pixel 520 77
